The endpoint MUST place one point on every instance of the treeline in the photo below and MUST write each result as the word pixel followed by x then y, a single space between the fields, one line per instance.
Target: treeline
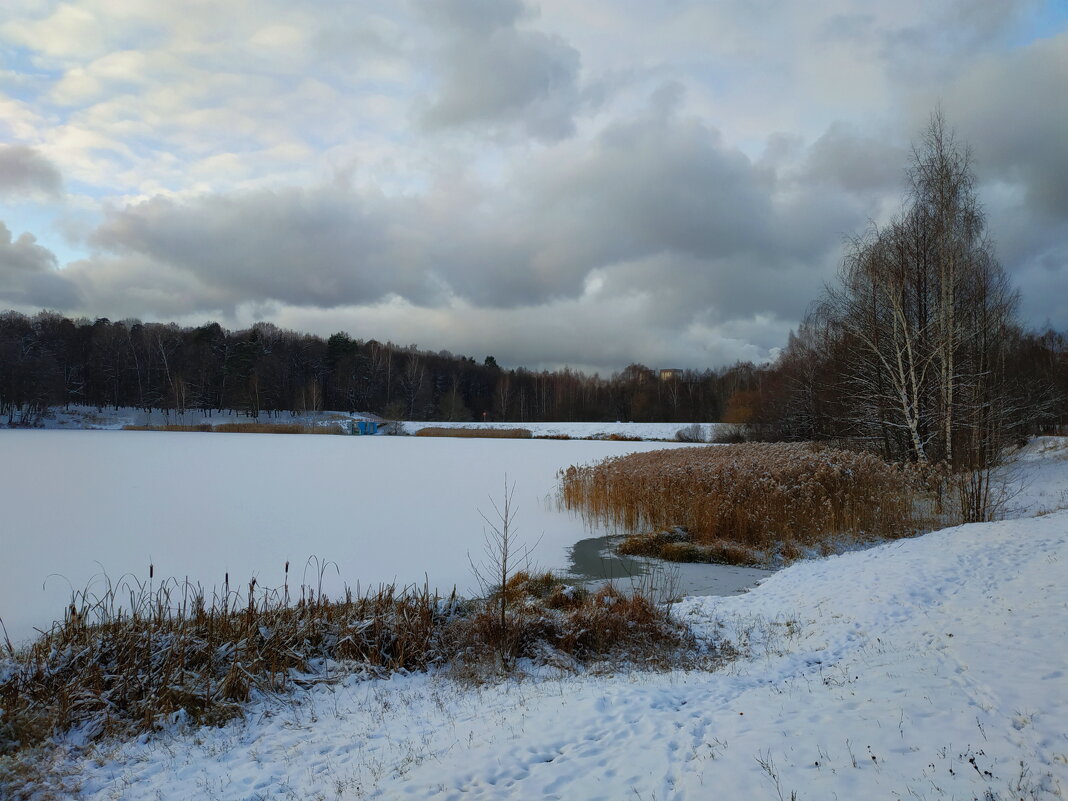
pixel 48 360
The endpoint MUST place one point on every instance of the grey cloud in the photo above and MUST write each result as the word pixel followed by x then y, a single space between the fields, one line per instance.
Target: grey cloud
pixel 856 163
pixel 492 72
pixel 470 16
pixel 318 247
pixel 1014 113
pixel 657 206
pixel 28 274
pixel 24 171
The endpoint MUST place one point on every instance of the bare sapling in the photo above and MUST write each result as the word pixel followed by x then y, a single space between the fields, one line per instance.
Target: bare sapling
pixel 504 556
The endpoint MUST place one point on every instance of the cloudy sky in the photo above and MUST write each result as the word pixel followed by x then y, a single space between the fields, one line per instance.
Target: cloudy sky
pixel 582 182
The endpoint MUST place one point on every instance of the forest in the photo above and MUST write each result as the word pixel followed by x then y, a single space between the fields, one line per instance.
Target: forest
pixel 48 360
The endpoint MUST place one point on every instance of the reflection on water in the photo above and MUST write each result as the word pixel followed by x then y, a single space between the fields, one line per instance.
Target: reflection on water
pixel 594 561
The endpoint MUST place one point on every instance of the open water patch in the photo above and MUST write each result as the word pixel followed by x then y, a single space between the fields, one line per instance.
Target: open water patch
pixel 593 561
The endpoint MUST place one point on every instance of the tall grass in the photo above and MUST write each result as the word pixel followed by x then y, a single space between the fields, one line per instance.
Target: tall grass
pixel 140 654
pixel 474 433
pixel 242 428
pixel 762 496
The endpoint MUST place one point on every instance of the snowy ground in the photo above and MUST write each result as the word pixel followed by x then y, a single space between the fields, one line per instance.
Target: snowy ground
pixel 932 668
pixel 79 504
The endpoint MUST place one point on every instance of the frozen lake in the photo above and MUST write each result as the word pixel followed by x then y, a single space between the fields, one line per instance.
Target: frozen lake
pixel 77 504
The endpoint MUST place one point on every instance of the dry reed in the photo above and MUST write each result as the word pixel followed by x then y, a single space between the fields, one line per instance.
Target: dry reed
pixel 242 428
pixel 140 654
pixel 767 498
pixel 475 433
pixel 202 427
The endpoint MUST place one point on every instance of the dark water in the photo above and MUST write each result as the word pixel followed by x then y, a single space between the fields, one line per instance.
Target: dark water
pixel 593 562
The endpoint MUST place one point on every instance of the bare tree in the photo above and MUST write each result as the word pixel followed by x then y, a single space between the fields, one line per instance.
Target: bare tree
pixel 923 307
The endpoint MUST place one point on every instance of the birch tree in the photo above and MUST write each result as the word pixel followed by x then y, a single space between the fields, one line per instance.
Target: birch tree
pixel 923 306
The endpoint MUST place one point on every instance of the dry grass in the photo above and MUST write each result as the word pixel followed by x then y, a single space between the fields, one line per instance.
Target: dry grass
pixel 275 428
pixel 741 501
pixel 243 428
pixel 138 656
pixel 173 427
pixel 475 433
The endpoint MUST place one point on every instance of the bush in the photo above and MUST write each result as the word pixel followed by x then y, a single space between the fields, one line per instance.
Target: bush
pixel 691 433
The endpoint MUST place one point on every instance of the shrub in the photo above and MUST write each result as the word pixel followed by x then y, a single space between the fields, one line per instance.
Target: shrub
pixel 691 433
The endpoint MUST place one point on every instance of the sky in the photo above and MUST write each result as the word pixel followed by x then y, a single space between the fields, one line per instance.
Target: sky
pixel 568 182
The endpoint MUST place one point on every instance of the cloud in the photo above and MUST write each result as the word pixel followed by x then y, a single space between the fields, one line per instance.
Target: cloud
pixel 655 203
pixel 492 72
pixel 591 183
pixel 656 226
pixel 856 162
pixel 25 172
pixel 28 274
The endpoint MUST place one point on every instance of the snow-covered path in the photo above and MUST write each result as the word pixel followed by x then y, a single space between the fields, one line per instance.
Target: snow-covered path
pixel 929 668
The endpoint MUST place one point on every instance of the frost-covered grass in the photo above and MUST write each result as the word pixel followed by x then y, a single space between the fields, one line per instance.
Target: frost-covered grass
pixel 143 656
pixel 743 503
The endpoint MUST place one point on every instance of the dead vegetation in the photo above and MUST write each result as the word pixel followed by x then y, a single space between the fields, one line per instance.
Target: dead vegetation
pixel 677 546
pixel 474 433
pixel 242 428
pixel 140 655
pixel 745 503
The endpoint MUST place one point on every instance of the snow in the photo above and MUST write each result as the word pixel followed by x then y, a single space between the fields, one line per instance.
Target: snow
pixel 930 668
pixel 80 504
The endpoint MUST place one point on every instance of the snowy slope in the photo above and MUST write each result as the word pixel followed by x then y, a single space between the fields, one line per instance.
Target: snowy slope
pixel 928 668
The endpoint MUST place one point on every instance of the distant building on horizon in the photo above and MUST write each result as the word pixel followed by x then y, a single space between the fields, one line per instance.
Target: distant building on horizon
pixel 670 373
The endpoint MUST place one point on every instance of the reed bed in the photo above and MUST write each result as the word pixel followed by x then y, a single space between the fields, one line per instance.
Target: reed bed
pixel 771 499
pixel 475 433
pixel 242 428
pixel 202 427
pixel 139 655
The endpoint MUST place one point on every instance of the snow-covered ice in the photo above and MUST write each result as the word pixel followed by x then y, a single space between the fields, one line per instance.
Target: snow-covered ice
pixel 931 668
pixel 77 504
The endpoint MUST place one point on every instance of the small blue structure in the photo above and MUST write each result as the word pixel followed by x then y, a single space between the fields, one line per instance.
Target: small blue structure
pixel 359 427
